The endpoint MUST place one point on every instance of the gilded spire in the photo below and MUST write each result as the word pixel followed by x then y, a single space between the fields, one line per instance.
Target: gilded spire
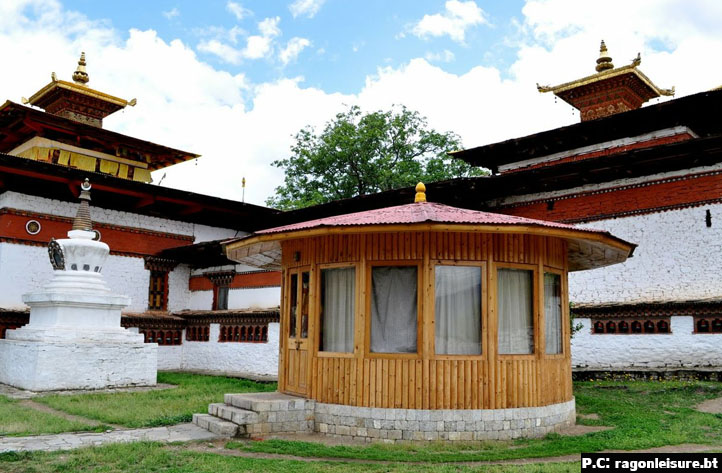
pixel 605 60
pixel 82 218
pixel 420 193
pixel 80 76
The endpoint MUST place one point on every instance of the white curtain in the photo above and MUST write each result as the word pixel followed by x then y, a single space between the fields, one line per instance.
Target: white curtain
pixel 338 291
pixel 516 311
pixel 553 312
pixel 458 310
pixel 393 309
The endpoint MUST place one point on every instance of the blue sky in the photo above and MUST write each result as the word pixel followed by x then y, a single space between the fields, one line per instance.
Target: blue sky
pixel 235 80
pixel 349 39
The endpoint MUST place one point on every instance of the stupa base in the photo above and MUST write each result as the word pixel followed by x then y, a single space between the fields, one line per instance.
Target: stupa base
pixel 59 365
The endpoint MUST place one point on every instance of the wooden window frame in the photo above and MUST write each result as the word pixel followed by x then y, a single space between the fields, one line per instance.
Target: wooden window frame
pixel 484 308
pixel 317 315
pixel 216 289
pixel 710 320
pixel 536 302
pixel 164 295
pixel 370 264
pixel 565 314
pixel 655 319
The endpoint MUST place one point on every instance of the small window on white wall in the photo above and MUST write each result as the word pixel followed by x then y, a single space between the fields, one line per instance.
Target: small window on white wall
pixel 516 311
pixel 394 309
pixel 338 295
pixel 457 310
pixel 553 313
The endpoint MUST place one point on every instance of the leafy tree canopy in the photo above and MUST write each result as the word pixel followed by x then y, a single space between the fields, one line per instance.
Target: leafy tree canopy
pixel 364 153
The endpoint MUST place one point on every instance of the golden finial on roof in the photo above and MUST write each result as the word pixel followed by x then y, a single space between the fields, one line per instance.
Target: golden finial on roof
pixel 605 60
pixel 420 192
pixel 80 76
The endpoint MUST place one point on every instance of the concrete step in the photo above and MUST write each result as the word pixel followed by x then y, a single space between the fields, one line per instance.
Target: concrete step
pixel 265 402
pixel 216 425
pixel 233 414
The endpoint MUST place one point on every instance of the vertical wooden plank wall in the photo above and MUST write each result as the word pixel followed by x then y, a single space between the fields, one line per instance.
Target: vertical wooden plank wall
pixel 430 382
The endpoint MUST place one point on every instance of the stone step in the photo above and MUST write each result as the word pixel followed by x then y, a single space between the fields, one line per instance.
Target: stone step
pixel 216 425
pixel 233 414
pixel 265 402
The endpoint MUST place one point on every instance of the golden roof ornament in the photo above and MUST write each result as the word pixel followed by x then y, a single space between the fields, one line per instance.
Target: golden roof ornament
pixel 82 219
pixel 420 193
pixel 605 60
pixel 80 76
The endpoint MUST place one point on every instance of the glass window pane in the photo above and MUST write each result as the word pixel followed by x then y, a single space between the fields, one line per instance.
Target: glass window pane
pixel 553 312
pixel 293 302
pixel 516 311
pixel 222 298
pixel 304 304
pixel 393 309
pixel 458 310
pixel 338 294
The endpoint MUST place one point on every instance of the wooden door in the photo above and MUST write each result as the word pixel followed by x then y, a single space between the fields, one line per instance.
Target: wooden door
pixel 296 359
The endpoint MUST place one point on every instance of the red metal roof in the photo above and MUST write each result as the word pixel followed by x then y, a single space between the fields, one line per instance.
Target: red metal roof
pixel 421 212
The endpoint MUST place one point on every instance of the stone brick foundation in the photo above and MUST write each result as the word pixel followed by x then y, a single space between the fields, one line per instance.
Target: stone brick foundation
pixel 268 414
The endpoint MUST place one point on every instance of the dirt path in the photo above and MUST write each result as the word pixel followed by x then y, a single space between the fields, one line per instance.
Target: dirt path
pixel 73 418
pixel 711 406
pixel 217 447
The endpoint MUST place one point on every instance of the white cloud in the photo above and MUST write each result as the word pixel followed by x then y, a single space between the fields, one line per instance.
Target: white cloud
pixel 293 49
pixel 307 8
pixel 256 46
pixel 238 10
pixel 444 56
pixel 172 13
pixel 453 22
pixel 240 127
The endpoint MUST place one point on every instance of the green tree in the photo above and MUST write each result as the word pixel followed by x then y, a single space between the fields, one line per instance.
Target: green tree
pixel 365 153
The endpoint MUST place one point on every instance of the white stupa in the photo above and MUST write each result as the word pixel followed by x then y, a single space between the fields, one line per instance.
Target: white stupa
pixel 74 339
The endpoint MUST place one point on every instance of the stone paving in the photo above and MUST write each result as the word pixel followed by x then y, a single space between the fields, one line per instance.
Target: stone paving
pixel 16 393
pixel 68 441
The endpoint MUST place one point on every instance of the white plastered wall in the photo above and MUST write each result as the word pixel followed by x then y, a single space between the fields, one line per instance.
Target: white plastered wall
pixel 228 358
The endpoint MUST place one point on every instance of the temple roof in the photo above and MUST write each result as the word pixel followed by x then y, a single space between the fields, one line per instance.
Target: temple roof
pixel 19 123
pixel 418 212
pixel 696 112
pixel 54 181
pixel 588 248
pixel 75 100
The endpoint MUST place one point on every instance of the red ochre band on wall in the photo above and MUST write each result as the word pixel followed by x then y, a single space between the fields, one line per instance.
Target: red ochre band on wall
pixel 635 199
pixel 123 240
pixel 256 279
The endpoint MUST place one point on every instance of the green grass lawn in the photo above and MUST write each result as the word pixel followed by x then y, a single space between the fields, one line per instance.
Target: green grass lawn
pixel 154 408
pixel 17 420
pixel 151 457
pixel 643 414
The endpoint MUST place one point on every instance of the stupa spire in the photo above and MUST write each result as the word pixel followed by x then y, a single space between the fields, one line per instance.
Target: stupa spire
pixel 82 219
pixel 80 76
pixel 605 60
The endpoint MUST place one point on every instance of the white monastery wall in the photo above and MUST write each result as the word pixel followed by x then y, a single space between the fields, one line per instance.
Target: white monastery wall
pixel 679 349
pixel 201 300
pixel 31 203
pixel 126 275
pixel 678 258
pixel 227 358
pixel 16 275
pixel 178 292
pixel 254 298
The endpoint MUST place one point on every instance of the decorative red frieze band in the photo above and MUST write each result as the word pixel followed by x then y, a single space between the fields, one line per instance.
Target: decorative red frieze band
pixel 128 241
pixel 648 197
pixel 256 279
